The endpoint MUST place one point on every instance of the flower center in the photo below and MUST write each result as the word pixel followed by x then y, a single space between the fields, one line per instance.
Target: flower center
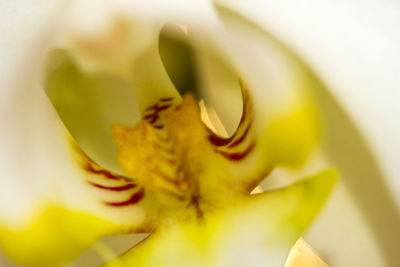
pixel 167 152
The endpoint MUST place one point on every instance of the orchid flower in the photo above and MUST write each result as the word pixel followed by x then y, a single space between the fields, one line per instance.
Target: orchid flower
pixel 102 133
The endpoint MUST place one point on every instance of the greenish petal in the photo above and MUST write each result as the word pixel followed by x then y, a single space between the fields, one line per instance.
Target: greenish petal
pixel 89 104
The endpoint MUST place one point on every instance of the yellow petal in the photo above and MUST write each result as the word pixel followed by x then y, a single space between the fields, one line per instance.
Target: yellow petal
pixel 57 236
pixel 261 230
pixel 255 231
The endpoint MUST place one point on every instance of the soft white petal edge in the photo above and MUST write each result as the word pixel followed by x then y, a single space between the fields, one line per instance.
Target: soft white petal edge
pixel 357 56
pixel 36 159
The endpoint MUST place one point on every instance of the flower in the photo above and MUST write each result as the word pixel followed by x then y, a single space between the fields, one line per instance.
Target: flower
pixel 177 175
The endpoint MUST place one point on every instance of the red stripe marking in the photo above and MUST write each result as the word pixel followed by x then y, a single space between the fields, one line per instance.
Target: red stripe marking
pixel 152 118
pixel 135 198
pixel 152 107
pixel 236 156
pixel 220 141
pixel 158 108
pixel 161 108
pixel 240 140
pixel 113 188
pixel 158 126
pixel 244 111
pixel 148 116
pixel 88 167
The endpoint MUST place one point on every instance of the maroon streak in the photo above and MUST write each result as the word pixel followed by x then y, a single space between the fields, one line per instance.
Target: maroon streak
pixel 88 167
pixel 158 108
pixel 221 141
pixel 114 188
pixel 135 198
pixel 152 118
pixel 240 139
pixel 158 126
pixel 236 156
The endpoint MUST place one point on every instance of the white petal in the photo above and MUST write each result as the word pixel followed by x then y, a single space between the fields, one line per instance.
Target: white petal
pixel 280 124
pixel 21 98
pixel 353 47
pixel 47 205
pixel 36 150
